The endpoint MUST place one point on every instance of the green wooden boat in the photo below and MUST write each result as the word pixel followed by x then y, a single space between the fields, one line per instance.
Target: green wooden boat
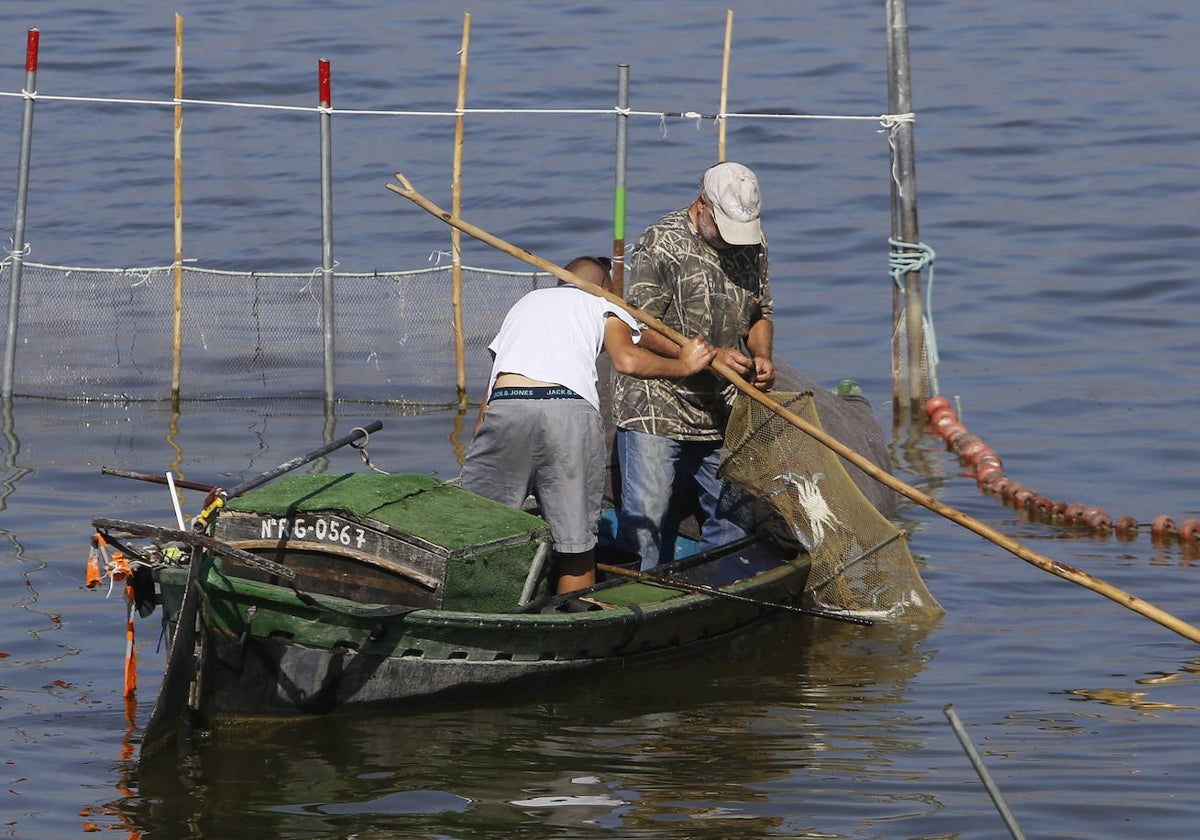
pixel 310 593
pixel 326 592
pixel 329 591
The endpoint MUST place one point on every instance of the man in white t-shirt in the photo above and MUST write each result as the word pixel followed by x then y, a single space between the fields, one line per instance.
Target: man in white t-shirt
pixel 540 429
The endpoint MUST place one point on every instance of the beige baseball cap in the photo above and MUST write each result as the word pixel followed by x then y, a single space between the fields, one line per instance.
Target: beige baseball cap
pixel 732 190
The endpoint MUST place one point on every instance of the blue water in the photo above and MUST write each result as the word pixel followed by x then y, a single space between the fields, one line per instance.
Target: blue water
pixel 1057 183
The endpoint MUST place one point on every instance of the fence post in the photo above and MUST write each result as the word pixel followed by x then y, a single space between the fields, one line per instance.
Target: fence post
pixel 904 218
pixel 326 107
pixel 177 309
pixel 724 86
pixel 18 251
pixel 456 284
pixel 618 250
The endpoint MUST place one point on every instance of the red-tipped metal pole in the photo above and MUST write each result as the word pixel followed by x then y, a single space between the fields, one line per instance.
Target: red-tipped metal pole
pixel 326 105
pixel 18 252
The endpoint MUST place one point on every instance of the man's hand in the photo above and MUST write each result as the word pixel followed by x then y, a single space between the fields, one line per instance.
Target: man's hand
pixel 759 371
pixel 697 354
pixel 764 373
pixel 759 341
pixel 733 358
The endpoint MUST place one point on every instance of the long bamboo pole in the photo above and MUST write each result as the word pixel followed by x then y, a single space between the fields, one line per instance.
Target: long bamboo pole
pixel 456 282
pixel 177 309
pixel 1054 567
pixel 724 85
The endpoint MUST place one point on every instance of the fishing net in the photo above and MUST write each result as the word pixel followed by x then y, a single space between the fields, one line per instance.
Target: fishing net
pixel 99 333
pixel 860 560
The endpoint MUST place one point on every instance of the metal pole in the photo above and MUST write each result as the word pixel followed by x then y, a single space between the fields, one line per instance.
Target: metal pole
pixel 894 230
pixel 177 311
pixel 618 250
pixel 904 209
pixel 18 251
pixel 980 770
pixel 326 106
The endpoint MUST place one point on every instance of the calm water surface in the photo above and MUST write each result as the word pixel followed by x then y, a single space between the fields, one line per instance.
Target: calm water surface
pixel 1056 164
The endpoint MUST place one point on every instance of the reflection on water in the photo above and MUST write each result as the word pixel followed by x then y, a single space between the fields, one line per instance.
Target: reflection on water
pixel 27 567
pixel 1184 681
pixel 13 471
pixel 694 741
pixel 804 726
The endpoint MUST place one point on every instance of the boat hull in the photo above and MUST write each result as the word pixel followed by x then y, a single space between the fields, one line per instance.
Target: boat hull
pixel 263 651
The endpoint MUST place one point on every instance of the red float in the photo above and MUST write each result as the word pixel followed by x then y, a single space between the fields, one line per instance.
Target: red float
pixel 1127 526
pixel 1162 526
pixel 1097 520
pixel 1189 530
pixel 934 403
pixel 986 474
pixel 1073 513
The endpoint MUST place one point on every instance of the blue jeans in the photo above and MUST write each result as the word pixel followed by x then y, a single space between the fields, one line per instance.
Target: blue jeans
pixel 649 466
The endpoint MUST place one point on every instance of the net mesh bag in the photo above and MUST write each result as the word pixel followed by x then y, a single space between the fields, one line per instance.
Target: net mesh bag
pixel 860 560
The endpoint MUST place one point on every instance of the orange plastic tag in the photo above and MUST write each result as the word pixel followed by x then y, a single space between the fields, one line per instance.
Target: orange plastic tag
pixel 130 647
pixel 94 577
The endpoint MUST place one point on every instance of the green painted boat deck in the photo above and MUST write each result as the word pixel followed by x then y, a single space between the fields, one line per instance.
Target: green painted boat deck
pixel 412 503
pixel 637 593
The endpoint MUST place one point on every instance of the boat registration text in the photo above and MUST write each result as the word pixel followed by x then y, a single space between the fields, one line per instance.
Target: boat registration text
pixel 327 529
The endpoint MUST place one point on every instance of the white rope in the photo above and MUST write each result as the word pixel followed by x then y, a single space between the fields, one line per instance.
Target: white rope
pixel 143 278
pixel 287 275
pixel 13 253
pixel 309 286
pixel 875 118
pixel 887 120
pixel 891 123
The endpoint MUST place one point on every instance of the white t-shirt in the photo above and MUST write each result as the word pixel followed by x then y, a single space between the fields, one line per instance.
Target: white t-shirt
pixel 554 335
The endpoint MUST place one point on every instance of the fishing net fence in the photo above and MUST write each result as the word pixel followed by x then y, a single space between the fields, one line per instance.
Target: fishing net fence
pixel 860 560
pixel 108 334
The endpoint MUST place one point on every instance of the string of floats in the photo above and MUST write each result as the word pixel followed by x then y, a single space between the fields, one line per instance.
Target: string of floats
pixel 988 470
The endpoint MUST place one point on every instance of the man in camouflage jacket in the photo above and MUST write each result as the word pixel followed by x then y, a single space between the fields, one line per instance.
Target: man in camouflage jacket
pixel 701 270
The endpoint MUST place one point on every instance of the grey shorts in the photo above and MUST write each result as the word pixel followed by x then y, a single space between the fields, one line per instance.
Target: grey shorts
pixel 551 448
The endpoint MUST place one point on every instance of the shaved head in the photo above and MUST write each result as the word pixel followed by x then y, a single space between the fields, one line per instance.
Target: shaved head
pixel 591 270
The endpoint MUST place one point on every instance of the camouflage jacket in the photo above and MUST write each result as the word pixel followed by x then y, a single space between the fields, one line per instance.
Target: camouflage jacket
pixel 679 279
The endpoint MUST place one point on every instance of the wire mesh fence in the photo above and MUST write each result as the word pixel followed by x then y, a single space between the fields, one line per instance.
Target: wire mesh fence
pixel 108 334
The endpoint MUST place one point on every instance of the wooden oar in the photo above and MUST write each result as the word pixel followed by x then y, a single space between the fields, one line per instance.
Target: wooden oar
pixel 218 496
pixel 1054 567
pixel 705 589
pixel 156 479
pixel 250 484
pixel 270 475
